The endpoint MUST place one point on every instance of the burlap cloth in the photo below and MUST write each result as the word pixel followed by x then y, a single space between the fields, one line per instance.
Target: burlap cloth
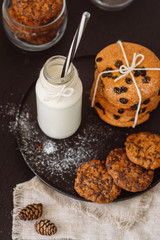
pixel 134 219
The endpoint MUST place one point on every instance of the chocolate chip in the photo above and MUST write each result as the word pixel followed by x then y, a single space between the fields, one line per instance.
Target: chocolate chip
pixel 120 90
pixel 99 59
pixel 132 119
pixel 109 75
pixel 102 84
pixel 98 105
pixel 146 101
pixel 102 87
pixel 123 100
pixel 137 73
pixel 143 72
pixel 117 90
pixel 114 77
pixel 116 116
pixel 104 75
pixel 121 110
pixel 159 93
pixel 146 79
pixel 128 80
pixel 143 110
pixel 118 63
pixel 124 89
pixel 134 107
pixel 109 69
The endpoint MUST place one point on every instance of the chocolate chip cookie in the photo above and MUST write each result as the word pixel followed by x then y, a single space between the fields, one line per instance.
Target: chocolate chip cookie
pixel 123 92
pixel 146 105
pixel 126 112
pixel 127 175
pixel 94 183
pixel 144 149
pixel 115 119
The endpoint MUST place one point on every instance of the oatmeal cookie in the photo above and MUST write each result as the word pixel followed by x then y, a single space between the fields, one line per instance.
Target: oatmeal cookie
pixel 127 175
pixel 93 182
pixel 144 149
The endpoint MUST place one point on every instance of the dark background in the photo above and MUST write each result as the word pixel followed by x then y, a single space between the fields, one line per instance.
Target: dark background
pixel 139 23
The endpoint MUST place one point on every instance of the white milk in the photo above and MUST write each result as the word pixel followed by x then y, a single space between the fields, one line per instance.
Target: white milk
pixel 58 104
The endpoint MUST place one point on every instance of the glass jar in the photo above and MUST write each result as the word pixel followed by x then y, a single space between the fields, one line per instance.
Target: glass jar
pixel 30 30
pixel 59 100
pixel 111 5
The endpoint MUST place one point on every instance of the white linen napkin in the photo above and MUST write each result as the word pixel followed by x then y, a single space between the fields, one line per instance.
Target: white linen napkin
pixel 133 219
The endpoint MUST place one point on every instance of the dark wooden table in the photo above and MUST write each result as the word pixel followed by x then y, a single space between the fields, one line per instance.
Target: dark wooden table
pixel 139 23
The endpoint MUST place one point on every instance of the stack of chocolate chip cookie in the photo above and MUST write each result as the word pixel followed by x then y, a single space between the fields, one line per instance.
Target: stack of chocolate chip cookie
pixel 116 102
pixel 130 168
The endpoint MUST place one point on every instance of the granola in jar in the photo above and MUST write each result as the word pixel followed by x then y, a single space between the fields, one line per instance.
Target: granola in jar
pixel 35 22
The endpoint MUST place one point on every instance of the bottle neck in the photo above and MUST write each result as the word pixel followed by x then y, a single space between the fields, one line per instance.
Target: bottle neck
pixel 53 68
pixel 53 85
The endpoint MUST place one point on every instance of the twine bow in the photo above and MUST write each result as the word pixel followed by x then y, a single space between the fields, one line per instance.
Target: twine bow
pixel 125 70
pixel 63 92
pixel 58 91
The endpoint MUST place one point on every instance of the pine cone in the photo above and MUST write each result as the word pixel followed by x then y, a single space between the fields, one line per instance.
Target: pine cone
pixel 45 227
pixel 32 211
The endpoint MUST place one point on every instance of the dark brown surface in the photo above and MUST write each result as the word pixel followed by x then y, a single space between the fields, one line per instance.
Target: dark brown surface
pixel 138 23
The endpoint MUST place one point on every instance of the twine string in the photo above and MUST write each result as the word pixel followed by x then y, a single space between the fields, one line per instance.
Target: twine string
pixel 63 92
pixel 129 70
pixel 58 91
pixel 125 70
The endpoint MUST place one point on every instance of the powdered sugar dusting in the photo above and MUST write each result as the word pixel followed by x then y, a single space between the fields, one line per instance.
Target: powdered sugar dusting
pixel 61 158
pixel 10 109
pixel 8 113
pixel 57 161
pixel 58 156
pixel 49 147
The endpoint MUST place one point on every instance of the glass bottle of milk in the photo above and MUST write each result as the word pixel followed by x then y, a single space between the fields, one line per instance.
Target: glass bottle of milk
pixel 59 100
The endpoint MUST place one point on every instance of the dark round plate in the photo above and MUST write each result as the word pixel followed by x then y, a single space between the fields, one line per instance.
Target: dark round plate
pixel 55 162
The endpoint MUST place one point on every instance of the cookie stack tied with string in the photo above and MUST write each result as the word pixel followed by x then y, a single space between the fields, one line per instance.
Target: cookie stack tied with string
pixel 126 88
